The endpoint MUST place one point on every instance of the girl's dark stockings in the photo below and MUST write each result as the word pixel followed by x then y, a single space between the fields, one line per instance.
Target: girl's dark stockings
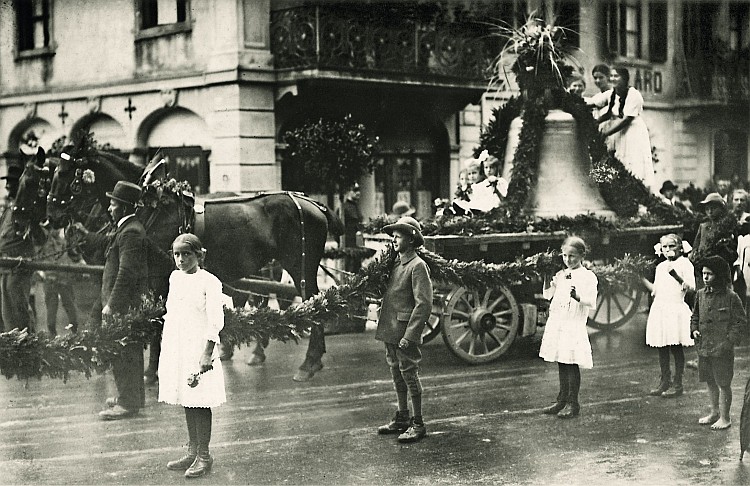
pixel 199 425
pixel 570 383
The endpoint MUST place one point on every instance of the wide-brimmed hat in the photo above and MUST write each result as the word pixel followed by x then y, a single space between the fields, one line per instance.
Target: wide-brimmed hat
pixel 402 208
pixel 409 226
pixel 14 173
pixel 126 192
pixel 667 186
pixel 714 197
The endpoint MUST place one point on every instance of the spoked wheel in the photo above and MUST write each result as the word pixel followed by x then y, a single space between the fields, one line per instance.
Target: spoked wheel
pixel 480 327
pixel 432 327
pixel 614 307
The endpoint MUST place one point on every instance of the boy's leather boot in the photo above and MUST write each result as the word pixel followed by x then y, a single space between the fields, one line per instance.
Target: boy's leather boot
pixel 201 465
pixel 415 432
pixel 185 461
pixel 398 425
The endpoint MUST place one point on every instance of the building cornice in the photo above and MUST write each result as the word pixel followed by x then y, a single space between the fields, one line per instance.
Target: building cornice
pixel 129 87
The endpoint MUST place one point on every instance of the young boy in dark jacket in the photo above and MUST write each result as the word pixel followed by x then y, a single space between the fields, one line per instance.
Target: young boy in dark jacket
pixel 406 306
pixel 717 325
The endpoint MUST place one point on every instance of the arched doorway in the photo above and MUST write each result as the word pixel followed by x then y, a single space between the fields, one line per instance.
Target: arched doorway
pixel 41 129
pixel 181 137
pixel 412 159
pixel 107 132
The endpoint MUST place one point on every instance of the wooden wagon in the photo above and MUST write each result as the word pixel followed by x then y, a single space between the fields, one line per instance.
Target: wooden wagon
pixel 481 327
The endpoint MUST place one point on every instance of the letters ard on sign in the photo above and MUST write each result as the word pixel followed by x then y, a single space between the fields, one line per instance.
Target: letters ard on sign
pixel 647 81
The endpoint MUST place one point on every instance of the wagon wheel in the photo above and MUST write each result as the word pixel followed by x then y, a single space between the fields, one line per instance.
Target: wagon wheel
pixel 614 307
pixel 432 328
pixel 480 327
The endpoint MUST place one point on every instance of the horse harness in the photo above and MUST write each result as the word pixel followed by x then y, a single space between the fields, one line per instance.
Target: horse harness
pixel 200 222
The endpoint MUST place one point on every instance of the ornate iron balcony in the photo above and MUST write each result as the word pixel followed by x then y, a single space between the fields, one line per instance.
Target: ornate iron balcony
pixel 331 37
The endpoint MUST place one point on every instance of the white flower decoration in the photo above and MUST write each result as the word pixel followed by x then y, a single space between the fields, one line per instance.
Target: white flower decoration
pixel 88 176
pixel 483 156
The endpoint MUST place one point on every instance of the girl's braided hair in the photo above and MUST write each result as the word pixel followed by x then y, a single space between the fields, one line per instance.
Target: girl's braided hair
pixel 624 74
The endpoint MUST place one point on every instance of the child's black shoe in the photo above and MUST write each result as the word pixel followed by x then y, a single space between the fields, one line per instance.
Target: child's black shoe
pixel 571 410
pixel 398 425
pixel 554 408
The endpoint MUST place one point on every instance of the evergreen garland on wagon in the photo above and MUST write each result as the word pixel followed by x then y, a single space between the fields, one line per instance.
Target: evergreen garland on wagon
pixel 27 355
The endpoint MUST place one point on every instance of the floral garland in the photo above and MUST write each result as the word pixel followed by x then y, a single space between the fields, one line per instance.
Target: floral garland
pixel 27 356
pixel 164 192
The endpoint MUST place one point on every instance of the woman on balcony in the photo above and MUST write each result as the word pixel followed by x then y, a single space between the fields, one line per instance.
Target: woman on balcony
pixel 627 129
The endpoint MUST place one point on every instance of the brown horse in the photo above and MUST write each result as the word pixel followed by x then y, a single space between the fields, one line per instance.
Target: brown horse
pixel 241 234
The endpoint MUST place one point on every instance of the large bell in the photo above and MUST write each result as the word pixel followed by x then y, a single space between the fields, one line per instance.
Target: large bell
pixel 563 186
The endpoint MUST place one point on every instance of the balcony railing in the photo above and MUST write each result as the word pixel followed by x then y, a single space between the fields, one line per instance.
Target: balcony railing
pixel 331 37
pixel 716 80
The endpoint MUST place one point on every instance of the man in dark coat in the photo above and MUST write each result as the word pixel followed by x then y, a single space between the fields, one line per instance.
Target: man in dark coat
pixel 124 281
pixel 352 218
pixel 15 285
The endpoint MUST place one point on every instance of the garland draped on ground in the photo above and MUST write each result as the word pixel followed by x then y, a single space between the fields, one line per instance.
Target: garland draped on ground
pixel 34 355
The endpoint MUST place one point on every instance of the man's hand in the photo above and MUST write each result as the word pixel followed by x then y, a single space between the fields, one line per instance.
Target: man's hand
pixel 106 311
pixel 404 343
pixel 696 334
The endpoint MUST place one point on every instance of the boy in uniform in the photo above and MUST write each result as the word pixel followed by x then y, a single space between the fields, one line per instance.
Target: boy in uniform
pixel 406 306
pixel 717 325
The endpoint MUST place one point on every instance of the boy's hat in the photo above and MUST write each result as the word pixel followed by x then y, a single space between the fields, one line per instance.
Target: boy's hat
pixel 667 186
pixel 409 226
pixel 719 266
pixel 714 197
pixel 402 208
pixel 126 192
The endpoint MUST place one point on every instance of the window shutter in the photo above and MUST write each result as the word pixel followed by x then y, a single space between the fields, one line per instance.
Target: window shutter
pixel 25 25
pixel 612 24
pixel 657 31
pixel 622 29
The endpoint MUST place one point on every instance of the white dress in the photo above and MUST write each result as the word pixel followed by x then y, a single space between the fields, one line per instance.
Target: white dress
pixel 483 195
pixel 669 318
pixel 194 316
pixel 632 145
pixel 601 101
pixel 565 338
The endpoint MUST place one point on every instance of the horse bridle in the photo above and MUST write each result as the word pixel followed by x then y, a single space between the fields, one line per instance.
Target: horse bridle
pixel 43 187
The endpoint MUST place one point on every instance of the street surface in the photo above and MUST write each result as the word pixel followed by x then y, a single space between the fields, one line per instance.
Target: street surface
pixel 483 424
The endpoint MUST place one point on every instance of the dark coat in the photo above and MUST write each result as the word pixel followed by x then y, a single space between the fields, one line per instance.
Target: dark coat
pixel 125 277
pixel 407 302
pixel 720 318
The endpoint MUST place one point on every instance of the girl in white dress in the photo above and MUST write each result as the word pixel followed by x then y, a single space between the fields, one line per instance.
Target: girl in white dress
pixel 565 340
pixel 190 373
pixel 668 325
pixel 627 130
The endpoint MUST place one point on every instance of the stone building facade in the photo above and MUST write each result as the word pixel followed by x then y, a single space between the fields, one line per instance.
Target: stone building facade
pixel 214 84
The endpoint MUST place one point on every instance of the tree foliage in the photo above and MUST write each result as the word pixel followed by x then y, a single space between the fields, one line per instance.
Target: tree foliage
pixel 332 155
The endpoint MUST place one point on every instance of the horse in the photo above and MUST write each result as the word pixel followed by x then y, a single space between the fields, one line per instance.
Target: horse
pixel 241 234
pixel 30 203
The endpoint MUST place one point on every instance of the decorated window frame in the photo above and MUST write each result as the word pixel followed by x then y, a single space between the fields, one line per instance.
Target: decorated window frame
pixel 33 28
pixel 147 18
